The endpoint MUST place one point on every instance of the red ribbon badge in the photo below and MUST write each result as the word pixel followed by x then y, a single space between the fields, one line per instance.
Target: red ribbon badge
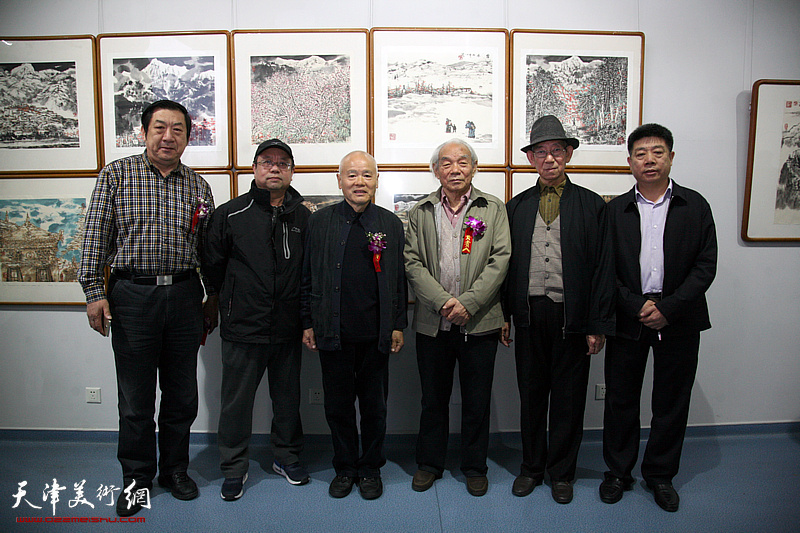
pixel 376 260
pixel 467 246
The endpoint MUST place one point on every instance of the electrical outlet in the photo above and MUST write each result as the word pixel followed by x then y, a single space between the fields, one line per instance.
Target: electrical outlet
pixel 93 395
pixel 316 396
pixel 600 391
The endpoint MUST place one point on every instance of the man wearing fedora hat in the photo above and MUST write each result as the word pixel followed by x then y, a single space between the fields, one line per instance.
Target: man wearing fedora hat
pixel 560 293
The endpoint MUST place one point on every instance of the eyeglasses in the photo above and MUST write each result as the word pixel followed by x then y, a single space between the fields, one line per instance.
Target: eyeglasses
pixel 557 153
pixel 267 164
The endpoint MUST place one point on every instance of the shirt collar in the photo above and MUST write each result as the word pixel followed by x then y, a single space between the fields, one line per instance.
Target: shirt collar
pixel 665 197
pixel 463 202
pixel 558 189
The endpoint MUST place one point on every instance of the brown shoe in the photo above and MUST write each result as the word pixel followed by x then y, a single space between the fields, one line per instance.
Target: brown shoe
pixel 423 480
pixel 477 486
pixel 562 491
pixel 524 485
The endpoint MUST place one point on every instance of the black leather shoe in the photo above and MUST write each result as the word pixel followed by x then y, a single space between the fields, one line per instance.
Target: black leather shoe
pixel 562 491
pixel 423 480
pixel 665 495
pixel 128 504
pixel 478 485
pixel 341 486
pixel 612 487
pixel 180 485
pixel 524 485
pixel 370 487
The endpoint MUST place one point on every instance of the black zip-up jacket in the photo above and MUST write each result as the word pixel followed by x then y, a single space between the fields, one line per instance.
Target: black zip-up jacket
pixel 587 260
pixel 254 259
pixel 322 274
pixel 690 262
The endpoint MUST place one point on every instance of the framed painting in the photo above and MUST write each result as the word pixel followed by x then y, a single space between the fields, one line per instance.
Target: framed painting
pixel 772 191
pixel 189 68
pixel 41 234
pixel 48 106
pixel 609 186
pixel 591 81
pixel 433 85
pixel 307 88
pixel 221 185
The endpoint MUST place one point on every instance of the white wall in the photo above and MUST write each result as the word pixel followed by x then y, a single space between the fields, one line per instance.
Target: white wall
pixel 701 59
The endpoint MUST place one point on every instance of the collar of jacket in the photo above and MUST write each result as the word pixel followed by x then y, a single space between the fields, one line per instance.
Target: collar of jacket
pixel 290 201
pixel 368 217
pixel 436 197
pixel 678 197
pixel 537 191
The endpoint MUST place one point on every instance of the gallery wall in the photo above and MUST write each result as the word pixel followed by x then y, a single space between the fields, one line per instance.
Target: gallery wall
pixel 700 62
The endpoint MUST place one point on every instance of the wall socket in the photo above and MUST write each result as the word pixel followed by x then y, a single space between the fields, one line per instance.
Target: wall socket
pixel 600 391
pixel 316 396
pixel 93 395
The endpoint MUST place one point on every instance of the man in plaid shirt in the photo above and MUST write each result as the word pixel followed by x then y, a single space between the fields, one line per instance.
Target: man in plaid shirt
pixel 147 220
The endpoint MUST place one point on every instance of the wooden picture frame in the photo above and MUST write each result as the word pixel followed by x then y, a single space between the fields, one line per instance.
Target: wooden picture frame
pixel 190 68
pixel 306 87
pixel 42 224
pixel 771 210
pixel 607 185
pixel 432 85
pixel 49 107
pixel 592 81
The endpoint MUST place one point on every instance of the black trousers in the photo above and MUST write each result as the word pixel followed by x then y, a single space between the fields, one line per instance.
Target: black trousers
pixel 243 367
pixel 552 372
pixel 674 369
pixel 156 333
pixel 357 371
pixel 436 358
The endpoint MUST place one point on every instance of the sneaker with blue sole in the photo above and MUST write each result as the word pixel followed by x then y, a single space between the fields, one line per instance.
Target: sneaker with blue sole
pixel 294 473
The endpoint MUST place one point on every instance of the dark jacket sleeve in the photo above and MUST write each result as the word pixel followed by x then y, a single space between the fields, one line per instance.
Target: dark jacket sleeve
pixel 216 251
pixel 701 272
pixel 401 311
pixel 602 309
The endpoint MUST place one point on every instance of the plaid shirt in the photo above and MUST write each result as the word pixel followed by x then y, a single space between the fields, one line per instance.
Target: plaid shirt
pixel 141 221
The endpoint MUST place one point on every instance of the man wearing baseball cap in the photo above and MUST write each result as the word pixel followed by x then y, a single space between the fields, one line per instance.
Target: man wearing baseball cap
pixel 560 291
pixel 255 256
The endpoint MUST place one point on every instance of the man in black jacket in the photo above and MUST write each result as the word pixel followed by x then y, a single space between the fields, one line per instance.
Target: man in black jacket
pixel 354 313
pixel 255 256
pixel 560 291
pixel 665 246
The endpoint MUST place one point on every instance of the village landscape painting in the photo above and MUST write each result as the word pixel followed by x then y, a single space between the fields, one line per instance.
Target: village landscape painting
pixel 38 105
pixel 436 93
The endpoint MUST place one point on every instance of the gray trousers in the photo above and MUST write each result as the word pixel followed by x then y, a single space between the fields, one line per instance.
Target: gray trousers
pixel 243 366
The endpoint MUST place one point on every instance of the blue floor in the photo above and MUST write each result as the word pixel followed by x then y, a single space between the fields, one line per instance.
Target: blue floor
pixel 735 479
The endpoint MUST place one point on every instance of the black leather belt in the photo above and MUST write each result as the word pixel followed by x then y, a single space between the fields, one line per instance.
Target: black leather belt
pixel 160 279
pixel 653 296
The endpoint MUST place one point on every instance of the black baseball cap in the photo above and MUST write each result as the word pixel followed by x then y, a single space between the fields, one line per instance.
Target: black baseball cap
pixel 274 143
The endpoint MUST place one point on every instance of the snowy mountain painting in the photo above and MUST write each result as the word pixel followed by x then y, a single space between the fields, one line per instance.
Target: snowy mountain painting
pixel 187 80
pixel 38 105
pixel 588 94
pixel 438 93
pixel 301 99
